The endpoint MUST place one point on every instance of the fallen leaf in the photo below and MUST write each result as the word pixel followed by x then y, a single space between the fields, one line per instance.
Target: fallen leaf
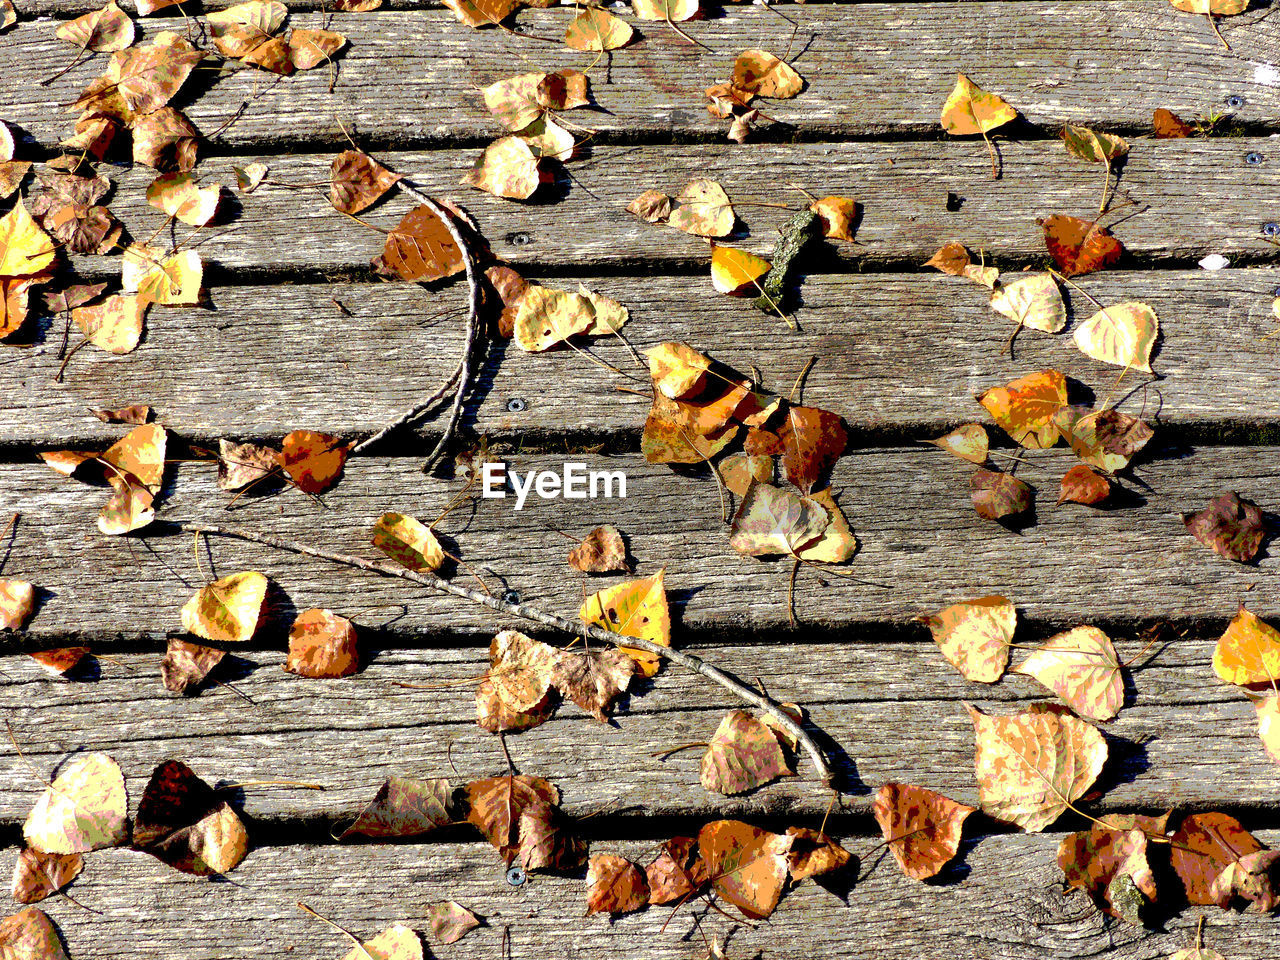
pixel 115 324
pixel 507 168
pixel 240 30
pixel 182 822
pixel 997 495
pixel 249 177
pixel 1032 301
pixel 1248 651
pixel 242 464
pixel 29 934
pixel 608 315
pixel 601 551
pixel 812 441
pixel 322 644
pixel 137 413
pixel 921 828
pixel 1123 334
pixel 672 10
pixel 37 875
pixel 983 276
pixel 1253 878
pixel 1268 709
pixel 974 636
pixel 483 13
pixel 1204 845
pixel 130 506
pixel 735 271
pixel 594 679
pixel 968 442
pixel 518 815
pixel 420 248
pixel 704 210
pixel 1031 766
pixel 596 29
pixel 1081 484
pixel 677 873
pixel 451 921
pixel 17 603
pixel 165 140
pixel 520 669
pixel 637 608
pixel 408 542
pixel 142 79
pixel 652 206
pixel 357 181
pixel 172 280
pixel 140 453
pixel 186 665
pixel 1169 126
pixel 25 249
pixel 1093 145
pixel 814 854
pixel 839 216
pixel 102 31
pixel 1082 668
pixel 761 74
pixel 1091 859
pixel 837 542
pixel 615 885
pixel 548 139
pixel 94 135
pixel 773 522
pixel 746 865
pixel 1079 246
pixel 404 807
pixel 85 808
pixel 227 610
pixel 951 259
pixel 59 661
pixel 397 942
pixel 670 437
pixel 677 370
pixel 1106 439
pixel 970 109
pixel 314 461
pixel 743 755
pixel 546 317
pixel 1230 525
pixel 12 173
pixel 1025 408
pixel 738 470
pixel 177 195
pixel 497 716
pixel 1217 8
pixel 506 289
pixel 310 48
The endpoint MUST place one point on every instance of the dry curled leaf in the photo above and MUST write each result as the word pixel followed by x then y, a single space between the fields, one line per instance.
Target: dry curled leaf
pixel 61 660
pixel 951 259
pixel 177 195
pixel 420 248
pixel 974 636
pixel 1106 439
pixel 921 828
pixel 182 822
pixel 759 73
pixel 17 603
pixel 520 816
pixel 507 168
pixel 451 921
pixel 1204 845
pixel 1230 525
pixel 704 211
pixel 1091 859
pixel 186 665
pixel 839 216
pixel 520 669
pixel 837 543
pixel 29 934
pixel 165 140
pixel 1025 408
pixel 250 177
pixel 322 644
pixel 594 679
pixel 601 551
pixel 243 29
pixel 136 413
pixel 637 608
pixel 38 875
pixel 815 854
pixel 227 610
pixel 1254 878
pixel 404 807
pixel 1031 766
pixel 744 754
pixel 1093 145
pixel 314 461
pixel 677 873
pixel 357 181
pixel 615 885
pixel 242 464
pixel 85 808
pixel 997 495
pixel 1169 126
pixel 736 272
pixel 408 541
pixel 1082 668
pixel 596 29
pixel 652 206
pixel 102 31
pixel 1032 301
pixel 773 522
pixel 1079 246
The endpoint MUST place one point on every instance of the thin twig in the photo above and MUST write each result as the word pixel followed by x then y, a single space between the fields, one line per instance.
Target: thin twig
pixel 524 611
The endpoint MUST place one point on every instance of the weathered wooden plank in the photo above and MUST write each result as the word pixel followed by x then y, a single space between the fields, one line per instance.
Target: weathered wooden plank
pixel 413 76
pixel 1194 197
pixel 893 711
pixel 897 353
pixel 921 546
pixel 1004 902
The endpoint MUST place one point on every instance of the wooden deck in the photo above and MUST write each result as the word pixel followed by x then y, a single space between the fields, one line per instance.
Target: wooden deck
pixel 300 334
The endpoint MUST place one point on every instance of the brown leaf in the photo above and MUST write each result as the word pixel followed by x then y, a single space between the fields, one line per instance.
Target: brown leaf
pixel 594 679
pixel 404 807
pixel 182 822
pixel 1231 526
pixel 615 885
pixel 743 754
pixel 1079 246
pixel 322 644
pixel 75 295
pixel 746 865
pixel 165 140
pixel 1253 878
pixel 998 495
pixel 1205 845
pixel 921 827
pixel 814 854
pixel 1081 484
pixel 357 181
pixel 951 259
pixel 38 875
pixel 240 464
pixel 138 413
pixel 839 216
pixel 652 206
pixel 1091 859
pixel 507 287
pixel 313 460
pixel 451 921
pixel 310 48
pixel 59 661
pixel 495 715
pixel 420 248
pixel 812 441
pixel 185 665
pixel 1106 439
pixel 29 934
pixel 677 873
pixel 142 79
pixel 1169 126
pixel 519 815
pixel 602 551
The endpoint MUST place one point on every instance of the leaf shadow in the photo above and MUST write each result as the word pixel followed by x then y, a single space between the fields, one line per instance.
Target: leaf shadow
pixel 1127 760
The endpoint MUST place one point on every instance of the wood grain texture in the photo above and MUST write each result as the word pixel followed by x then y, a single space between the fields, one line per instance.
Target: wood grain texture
pixel 886 711
pixel 922 547
pixel 904 353
pixel 1193 197
pixel 872 68
pixel 1003 902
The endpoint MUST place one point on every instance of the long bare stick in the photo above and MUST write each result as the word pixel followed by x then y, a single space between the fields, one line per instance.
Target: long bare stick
pixel 526 612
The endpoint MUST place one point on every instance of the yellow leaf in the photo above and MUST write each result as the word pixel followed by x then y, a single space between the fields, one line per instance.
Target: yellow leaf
pixel 1081 667
pixel 102 31
pixel 520 670
pixel 507 168
pixel 172 280
pixel 968 442
pixel 837 542
pixel 226 610
pixel 674 10
pixel 735 271
pixel 773 522
pixel 1220 8
pixel 634 609
pixel 397 942
pixel 115 324
pixel 1025 408
pixel 983 276
pixel 1123 335
pixel 129 508
pixel 1269 725
pixel 1033 301
pixel 85 808
pixel 177 195
pixel 514 100
pixel 677 369
pixel 17 601
pixel 704 210
pixel 609 314
pixel 596 29
pixel 1248 652
pixel 970 109
pixel 239 30
pixel 408 542
pixel 839 217
pixel 25 249
pixel 761 74
pixel 546 317
pixel 140 453
pixel 975 636
pixel 1093 145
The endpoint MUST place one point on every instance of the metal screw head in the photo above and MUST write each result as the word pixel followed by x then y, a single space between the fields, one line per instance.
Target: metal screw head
pixel 1271 229
pixel 519 238
pixel 1276 292
pixel 511 596
pixel 1235 102
pixel 517 405
pixel 516 876
pixel 1253 158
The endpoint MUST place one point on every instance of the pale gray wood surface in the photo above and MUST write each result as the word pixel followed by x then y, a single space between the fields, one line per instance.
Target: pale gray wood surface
pixel 1193 197
pixel 872 68
pixel 887 711
pixel 922 547
pixel 1007 905
pixel 898 353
